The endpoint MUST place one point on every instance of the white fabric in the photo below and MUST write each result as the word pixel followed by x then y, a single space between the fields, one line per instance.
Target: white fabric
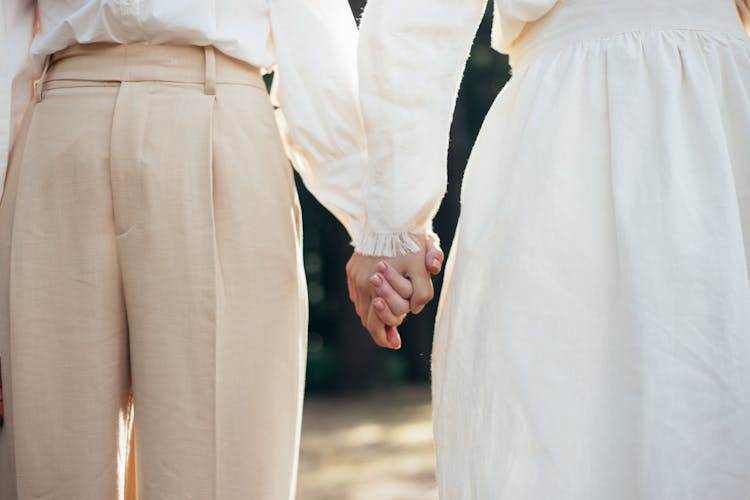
pixel 310 43
pixel 593 339
pixel 511 17
pixel 412 57
pixel 16 71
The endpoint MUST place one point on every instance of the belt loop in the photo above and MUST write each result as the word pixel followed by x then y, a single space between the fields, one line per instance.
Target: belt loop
pixel 39 84
pixel 210 70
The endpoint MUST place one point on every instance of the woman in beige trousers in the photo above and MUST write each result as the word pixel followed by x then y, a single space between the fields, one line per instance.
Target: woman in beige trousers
pixel 152 298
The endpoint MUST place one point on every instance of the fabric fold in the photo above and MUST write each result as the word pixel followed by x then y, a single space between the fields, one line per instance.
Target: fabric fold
pixel 17 72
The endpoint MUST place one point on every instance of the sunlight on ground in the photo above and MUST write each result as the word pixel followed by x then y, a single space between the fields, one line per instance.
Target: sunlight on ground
pixel 375 446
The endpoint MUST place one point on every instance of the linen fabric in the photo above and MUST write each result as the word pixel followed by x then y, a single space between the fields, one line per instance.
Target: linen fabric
pixel 311 45
pixel 152 299
pixel 408 92
pixel 593 337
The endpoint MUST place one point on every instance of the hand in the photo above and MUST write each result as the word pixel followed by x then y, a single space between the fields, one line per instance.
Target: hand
pixel 434 256
pixel 367 277
pixel 394 290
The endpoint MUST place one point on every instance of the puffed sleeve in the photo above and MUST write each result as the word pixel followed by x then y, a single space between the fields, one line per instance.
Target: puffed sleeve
pixel 17 18
pixel 315 87
pixel 511 17
pixel 411 59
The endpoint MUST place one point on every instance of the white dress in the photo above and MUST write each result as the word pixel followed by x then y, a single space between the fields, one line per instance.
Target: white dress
pixel 593 340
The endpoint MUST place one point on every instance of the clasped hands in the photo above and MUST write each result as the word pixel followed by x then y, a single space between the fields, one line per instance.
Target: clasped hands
pixel 385 289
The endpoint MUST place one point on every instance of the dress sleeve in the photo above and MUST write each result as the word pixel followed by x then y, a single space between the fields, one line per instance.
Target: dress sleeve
pixel 17 20
pixel 411 59
pixel 316 91
pixel 511 17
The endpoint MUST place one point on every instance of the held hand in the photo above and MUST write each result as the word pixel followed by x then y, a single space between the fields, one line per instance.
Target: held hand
pixel 434 256
pixel 367 274
pixel 360 270
pixel 394 291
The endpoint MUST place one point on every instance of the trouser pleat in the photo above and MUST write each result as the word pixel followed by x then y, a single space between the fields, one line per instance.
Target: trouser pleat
pixel 163 187
pixel 153 341
pixel 68 371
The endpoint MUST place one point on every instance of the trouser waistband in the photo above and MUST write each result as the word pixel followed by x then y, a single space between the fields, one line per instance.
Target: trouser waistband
pixel 116 63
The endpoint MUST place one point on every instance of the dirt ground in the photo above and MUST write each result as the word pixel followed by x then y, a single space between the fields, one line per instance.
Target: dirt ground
pixel 376 446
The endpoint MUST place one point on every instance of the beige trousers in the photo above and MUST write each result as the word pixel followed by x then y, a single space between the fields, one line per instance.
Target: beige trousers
pixel 152 300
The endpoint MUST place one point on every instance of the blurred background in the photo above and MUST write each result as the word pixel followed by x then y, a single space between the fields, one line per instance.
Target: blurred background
pixel 366 426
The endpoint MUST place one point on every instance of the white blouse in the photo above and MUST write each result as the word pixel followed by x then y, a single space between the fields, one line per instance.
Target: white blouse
pixel 412 56
pixel 310 43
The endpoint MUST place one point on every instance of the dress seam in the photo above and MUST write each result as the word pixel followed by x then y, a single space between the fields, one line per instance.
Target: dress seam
pixel 538 52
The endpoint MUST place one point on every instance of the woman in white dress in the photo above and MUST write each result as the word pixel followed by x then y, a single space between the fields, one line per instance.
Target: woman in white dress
pixel 593 339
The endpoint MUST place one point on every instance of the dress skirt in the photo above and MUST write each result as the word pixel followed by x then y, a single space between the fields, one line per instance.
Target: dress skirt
pixel 593 339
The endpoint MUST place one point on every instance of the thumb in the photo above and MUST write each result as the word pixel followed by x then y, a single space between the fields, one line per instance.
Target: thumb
pixel 423 291
pixel 434 257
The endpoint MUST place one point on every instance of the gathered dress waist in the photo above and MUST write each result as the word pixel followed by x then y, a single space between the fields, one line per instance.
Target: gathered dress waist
pixel 576 21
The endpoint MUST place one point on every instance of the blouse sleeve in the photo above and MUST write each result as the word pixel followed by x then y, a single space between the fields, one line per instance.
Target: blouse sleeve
pixel 17 18
pixel 315 87
pixel 411 59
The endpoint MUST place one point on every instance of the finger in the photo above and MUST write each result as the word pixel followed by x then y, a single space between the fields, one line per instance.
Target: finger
pixel 384 313
pixel 434 258
pixel 397 304
pixel 377 330
pixel 399 283
pixel 423 291
pixel 394 339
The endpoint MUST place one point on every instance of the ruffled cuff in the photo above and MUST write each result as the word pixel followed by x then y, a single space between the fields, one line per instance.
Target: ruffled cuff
pixel 392 244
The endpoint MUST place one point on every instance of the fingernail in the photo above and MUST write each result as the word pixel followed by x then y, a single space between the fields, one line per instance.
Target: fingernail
pixel 435 264
pixel 379 305
pixel 382 266
pixel 376 280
